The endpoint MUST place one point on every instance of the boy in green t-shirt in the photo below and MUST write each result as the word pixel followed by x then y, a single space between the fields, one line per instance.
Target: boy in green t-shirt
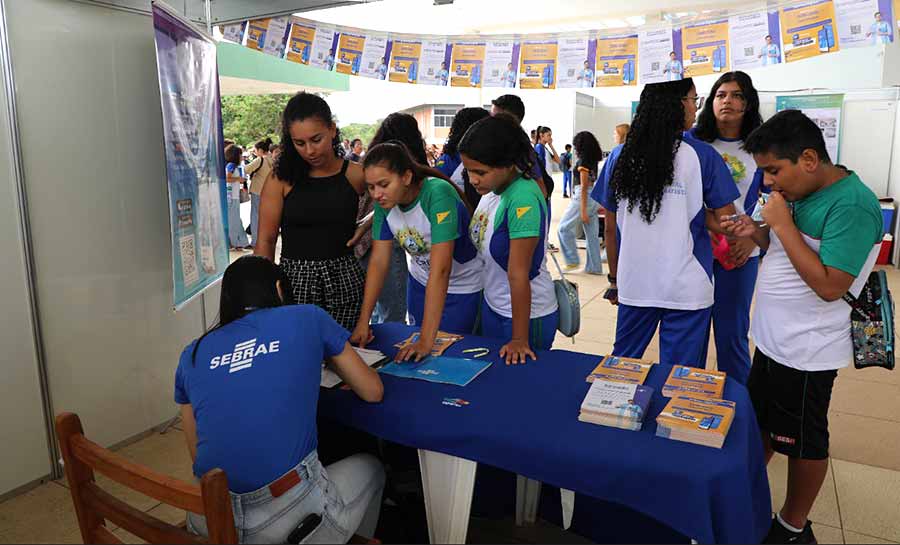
pixel 822 229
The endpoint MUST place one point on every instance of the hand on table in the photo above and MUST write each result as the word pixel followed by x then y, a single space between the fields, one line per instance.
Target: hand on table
pixel 417 350
pixel 516 351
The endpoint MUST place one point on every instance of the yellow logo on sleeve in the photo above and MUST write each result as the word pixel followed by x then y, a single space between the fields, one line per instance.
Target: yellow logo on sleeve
pixel 521 211
pixel 441 216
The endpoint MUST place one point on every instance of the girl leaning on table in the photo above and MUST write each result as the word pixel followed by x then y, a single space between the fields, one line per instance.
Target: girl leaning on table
pixel 429 218
pixel 509 229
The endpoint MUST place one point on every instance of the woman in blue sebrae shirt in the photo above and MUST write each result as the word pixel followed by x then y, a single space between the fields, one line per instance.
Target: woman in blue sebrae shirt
pixel 248 391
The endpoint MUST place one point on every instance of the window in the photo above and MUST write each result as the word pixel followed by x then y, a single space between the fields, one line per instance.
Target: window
pixel 443 117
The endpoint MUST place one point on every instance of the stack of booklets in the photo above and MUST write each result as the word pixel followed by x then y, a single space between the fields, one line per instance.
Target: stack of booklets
pixel 691 381
pixel 698 420
pixel 616 404
pixel 372 358
pixel 617 369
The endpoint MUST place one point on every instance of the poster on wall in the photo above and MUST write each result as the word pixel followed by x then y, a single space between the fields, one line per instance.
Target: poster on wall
pixel 538 67
pixel 808 30
pixel 659 56
pixel 234 33
pixel 705 48
pixel 861 23
pixel 349 53
pixel 269 35
pixel 825 111
pixel 300 42
pixel 755 40
pixel 324 47
pixel 576 62
pixel 467 64
pixel 434 63
pixel 376 52
pixel 634 107
pixel 405 58
pixel 501 58
pixel 195 163
pixel 617 60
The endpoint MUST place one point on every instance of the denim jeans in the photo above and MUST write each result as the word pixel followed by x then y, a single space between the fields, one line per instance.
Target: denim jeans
pixel 570 221
pixel 254 217
pixel 237 238
pixel 567 182
pixel 391 306
pixel 347 495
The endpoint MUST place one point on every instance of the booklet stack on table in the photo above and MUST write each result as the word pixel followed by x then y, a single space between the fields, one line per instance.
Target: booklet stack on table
pixel 691 381
pixel 698 420
pixel 617 369
pixel 616 404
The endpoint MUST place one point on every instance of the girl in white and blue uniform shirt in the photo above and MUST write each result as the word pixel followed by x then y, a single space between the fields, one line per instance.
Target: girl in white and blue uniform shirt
pixel 248 391
pixel 727 119
pixel 450 163
pixel 509 229
pixel 656 189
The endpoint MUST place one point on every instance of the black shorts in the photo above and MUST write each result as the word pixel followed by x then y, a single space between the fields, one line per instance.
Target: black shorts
pixel 792 406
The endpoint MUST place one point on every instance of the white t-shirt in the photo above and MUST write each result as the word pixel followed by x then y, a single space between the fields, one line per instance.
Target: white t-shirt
pixel 669 263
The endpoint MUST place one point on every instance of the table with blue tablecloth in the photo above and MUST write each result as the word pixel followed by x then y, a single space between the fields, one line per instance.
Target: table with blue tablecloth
pixel 524 419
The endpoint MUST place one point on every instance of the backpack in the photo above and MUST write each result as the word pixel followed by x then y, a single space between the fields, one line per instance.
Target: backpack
pixel 872 323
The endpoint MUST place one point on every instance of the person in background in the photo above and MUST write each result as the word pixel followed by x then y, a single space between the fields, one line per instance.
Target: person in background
pixel 509 229
pixel 234 177
pixel 450 163
pixel 259 170
pixel 770 53
pixel 227 143
pixel 313 198
pixel 582 211
pixel 674 70
pixel 345 145
pixel 565 164
pixel 879 31
pixel 725 122
pixel 534 137
pixel 620 133
pixel 656 189
pixel 228 397
pixel 545 144
pixel 430 219
pixel 356 150
pixel 822 234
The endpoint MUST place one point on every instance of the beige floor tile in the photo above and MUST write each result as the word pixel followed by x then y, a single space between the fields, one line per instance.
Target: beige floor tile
pixel 853 538
pixel 824 511
pixel 828 535
pixel 863 398
pixel 879 375
pixel 42 515
pixel 585 347
pixel 864 440
pixel 869 498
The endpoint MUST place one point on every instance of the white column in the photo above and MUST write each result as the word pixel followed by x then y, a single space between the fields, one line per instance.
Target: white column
pixel 448 483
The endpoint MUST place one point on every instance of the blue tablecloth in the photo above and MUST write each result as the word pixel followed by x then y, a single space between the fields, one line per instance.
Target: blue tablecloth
pixel 524 419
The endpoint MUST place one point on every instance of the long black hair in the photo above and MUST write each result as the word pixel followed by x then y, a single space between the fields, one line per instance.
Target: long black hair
pixel 588 149
pixel 291 167
pixel 250 283
pixel 646 164
pixel 264 145
pixel 499 142
pixel 707 129
pixel 463 119
pixel 402 128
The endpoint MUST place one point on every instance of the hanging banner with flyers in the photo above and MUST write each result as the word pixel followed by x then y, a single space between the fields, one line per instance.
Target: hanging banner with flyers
pixel 501 57
pixel 376 52
pixel 538 67
pixel 755 39
pixel 300 42
pixel 434 62
pixel 808 30
pixel 576 62
pixel 861 23
pixel 405 57
pixel 617 60
pixel 467 64
pixel 234 33
pixel 269 35
pixel 705 48
pixel 658 55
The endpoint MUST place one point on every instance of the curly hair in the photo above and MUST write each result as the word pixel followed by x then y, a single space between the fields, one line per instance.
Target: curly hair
pixel 463 119
pixel 707 129
pixel 588 149
pixel 646 164
pixel 499 142
pixel 291 167
pixel 402 128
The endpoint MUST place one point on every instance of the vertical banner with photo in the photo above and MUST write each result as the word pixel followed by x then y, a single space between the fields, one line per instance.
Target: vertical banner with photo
pixel 195 162
pixel 467 64
pixel 269 35
pixel 862 23
pixel 234 33
pixel 755 40
pixel 349 53
pixel 538 67
pixel 406 55
pixel 501 59
pixel 324 47
pixel 375 56
pixel 300 42
pixel 576 62
pixel 808 30
pixel 617 60
pixel 658 56
pixel 435 62
pixel 825 110
pixel 705 48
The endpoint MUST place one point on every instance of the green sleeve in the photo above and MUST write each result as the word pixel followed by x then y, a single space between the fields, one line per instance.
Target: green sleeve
pixel 380 228
pixel 440 204
pixel 524 213
pixel 850 233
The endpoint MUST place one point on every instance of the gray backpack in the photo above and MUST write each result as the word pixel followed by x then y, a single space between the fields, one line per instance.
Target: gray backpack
pixel 569 305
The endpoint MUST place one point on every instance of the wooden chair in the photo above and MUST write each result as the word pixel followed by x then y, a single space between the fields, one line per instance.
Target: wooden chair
pixel 94 506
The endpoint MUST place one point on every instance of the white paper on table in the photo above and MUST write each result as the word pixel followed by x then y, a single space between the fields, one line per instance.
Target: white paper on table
pixel 330 379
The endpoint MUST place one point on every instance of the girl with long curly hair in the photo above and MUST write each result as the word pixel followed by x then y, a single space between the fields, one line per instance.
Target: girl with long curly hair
pixel 657 189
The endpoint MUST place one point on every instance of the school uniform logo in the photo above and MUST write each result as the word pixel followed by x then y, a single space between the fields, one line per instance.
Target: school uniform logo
pixel 412 241
pixel 441 216
pixel 477 228
pixel 243 354
pixel 737 168
pixel 521 211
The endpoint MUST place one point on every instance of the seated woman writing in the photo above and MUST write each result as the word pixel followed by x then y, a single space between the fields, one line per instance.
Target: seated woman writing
pixel 248 391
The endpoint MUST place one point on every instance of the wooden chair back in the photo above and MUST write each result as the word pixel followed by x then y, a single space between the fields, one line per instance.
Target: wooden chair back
pixel 94 506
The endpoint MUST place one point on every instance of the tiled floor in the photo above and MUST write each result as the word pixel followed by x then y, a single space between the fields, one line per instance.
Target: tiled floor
pixel 859 503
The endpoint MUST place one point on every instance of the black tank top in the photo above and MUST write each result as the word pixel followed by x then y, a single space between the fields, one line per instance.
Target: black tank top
pixel 319 217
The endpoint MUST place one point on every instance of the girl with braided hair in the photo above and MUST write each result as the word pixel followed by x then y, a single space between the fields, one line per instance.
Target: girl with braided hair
pixel 658 189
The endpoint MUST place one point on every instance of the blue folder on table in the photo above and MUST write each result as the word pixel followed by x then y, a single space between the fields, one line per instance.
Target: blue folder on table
pixel 455 371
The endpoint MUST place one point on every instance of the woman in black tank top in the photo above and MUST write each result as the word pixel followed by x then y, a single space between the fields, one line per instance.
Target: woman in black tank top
pixel 312 198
